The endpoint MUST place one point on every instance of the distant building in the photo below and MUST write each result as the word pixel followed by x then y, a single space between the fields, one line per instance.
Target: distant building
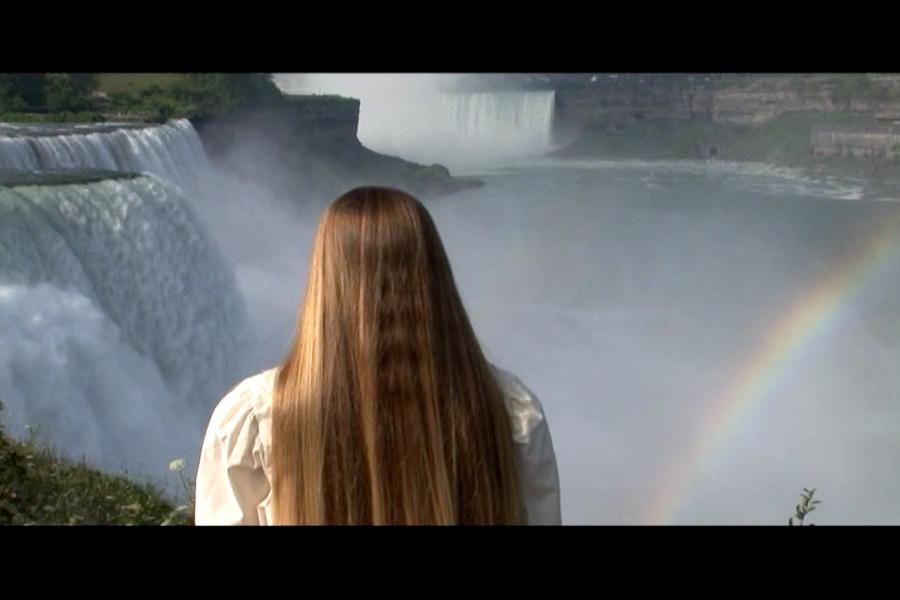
pixel 99 98
pixel 836 140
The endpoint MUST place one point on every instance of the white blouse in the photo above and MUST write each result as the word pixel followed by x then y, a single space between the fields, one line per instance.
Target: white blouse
pixel 233 478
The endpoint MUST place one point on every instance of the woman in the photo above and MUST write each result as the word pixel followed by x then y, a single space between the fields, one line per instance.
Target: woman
pixel 384 410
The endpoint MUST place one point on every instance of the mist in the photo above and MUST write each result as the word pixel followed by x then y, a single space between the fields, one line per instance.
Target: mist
pixel 630 296
pixel 631 308
pixel 426 118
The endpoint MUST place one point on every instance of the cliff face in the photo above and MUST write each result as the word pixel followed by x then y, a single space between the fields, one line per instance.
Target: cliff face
pixel 325 125
pixel 307 146
pixel 788 120
pixel 746 100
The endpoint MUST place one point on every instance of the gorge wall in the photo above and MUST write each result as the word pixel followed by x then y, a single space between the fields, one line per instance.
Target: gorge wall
pixel 847 121
pixel 613 100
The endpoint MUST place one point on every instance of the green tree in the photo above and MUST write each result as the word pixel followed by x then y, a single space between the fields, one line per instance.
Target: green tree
pixel 218 91
pixel 67 91
pixel 84 82
pixel 20 92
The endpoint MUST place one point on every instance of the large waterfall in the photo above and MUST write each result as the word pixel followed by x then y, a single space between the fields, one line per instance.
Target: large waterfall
pixel 418 117
pixel 462 130
pixel 522 118
pixel 172 151
pixel 121 323
pixel 465 131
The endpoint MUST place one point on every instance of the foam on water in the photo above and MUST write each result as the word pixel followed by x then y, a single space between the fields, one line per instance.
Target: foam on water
pixel 106 283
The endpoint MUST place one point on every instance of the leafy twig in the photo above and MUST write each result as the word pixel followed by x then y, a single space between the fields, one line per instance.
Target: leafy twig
pixel 806 506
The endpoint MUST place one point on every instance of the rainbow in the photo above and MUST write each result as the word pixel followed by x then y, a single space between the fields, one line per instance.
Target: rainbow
pixel 814 312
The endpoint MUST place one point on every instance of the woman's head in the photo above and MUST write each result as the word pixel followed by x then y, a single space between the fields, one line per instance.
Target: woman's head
pixel 385 408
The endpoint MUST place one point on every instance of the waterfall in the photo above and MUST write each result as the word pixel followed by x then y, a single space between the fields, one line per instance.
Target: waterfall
pixel 461 130
pixel 416 117
pixel 172 151
pixel 121 324
pixel 521 118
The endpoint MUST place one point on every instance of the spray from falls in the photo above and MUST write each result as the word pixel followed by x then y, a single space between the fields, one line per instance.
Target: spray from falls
pixel 123 324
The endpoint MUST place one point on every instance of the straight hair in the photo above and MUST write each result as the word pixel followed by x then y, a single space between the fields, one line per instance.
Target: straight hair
pixel 385 410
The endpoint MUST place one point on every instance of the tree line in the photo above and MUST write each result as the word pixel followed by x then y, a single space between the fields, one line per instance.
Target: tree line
pixel 181 94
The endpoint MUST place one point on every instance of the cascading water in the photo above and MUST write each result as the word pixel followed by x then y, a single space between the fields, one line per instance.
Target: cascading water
pixel 420 117
pixel 172 151
pixel 518 119
pixel 462 130
pixel 122 324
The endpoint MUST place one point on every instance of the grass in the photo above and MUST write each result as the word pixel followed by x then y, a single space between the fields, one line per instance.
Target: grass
pixel 37 487
pixel 158 97
pixel 784 139
pixel 150 96
pixel 55 117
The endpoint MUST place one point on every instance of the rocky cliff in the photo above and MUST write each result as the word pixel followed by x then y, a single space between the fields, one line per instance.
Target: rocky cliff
pixel 768 118
pixel 616 100
pixel 308 145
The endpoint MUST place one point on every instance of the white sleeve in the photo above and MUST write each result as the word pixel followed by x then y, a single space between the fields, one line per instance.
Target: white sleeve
pixel 231 481
pixel 540 477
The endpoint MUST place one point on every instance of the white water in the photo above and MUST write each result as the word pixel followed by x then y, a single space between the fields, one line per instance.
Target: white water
pixel 69 375
pixel 415 117
pixel 520 118
pixel 172 151
pixel 121 322
pixel 461 130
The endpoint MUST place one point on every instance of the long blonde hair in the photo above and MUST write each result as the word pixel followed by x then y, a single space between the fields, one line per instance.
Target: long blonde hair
pixel 385 408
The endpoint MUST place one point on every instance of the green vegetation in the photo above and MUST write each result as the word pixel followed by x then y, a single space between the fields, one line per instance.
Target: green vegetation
pixel 57 117
pixel 37 487
pixel 652 140
pixel 782 140
pixel 785 139
pixel 21 91
pixel 46 92
pixel 91 97
pixel 163 96
pixel 853 86
pixel 806 506
pixel 134 83
pixel 68 92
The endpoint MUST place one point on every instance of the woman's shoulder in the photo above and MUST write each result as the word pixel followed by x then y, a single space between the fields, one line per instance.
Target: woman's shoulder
pixel 522 404
pixel 244 407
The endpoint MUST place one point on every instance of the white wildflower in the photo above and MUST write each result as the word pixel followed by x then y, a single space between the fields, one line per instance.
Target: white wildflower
pixel 177 465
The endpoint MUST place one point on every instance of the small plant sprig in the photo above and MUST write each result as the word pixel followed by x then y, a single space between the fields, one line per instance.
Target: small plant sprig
pixel 185 511
pixel 806 506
